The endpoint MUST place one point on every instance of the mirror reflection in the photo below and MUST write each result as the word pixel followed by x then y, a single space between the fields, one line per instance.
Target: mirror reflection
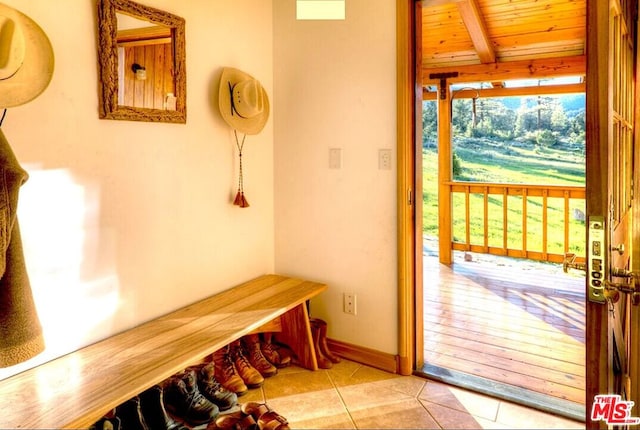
pixel 145 64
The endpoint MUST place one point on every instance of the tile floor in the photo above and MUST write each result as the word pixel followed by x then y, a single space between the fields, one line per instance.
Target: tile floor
pixel 353 396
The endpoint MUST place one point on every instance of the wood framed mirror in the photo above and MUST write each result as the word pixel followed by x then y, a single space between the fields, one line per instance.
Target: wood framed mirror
pixel 141 63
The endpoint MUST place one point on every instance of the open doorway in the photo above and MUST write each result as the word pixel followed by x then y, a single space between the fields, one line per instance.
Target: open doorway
pixel 469 51
pixel 506 316
pixel 610 176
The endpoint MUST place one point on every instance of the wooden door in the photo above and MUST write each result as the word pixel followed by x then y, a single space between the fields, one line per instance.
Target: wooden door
pixel 612 324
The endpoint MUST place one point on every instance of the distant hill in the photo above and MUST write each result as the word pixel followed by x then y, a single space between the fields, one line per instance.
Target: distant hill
pixel 570 102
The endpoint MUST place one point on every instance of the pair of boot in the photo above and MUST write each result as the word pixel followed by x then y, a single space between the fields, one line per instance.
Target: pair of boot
pixel 184 400
pixel 324 356
pixel 241 365
pixel 275 353
pixel 253 416
pixel 143 412
pixel 252 345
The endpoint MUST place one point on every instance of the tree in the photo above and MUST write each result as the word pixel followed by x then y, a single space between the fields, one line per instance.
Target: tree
pixel 461 113
pixel 527 116
pixel 429 124
pixel 535 114
pixel 559 120
pixel 495 119
pixel 577 121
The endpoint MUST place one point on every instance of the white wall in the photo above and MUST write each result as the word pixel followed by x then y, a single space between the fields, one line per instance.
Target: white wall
pixel 123 221
pixel 335 87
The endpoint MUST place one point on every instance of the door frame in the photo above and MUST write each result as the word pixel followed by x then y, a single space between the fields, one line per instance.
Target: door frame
pixel 409 188
pixel 410 340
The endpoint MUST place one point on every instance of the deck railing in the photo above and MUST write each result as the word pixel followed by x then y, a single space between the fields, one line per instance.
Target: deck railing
pixel 539 222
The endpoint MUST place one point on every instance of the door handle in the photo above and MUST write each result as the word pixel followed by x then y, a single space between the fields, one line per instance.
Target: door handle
pixel 619 248
pixel 601 289
pixel 629 285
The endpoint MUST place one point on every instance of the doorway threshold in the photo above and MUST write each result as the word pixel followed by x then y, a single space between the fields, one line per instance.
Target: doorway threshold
pixel 506 392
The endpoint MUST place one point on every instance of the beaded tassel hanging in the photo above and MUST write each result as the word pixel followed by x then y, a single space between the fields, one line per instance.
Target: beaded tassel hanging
pixel 240 199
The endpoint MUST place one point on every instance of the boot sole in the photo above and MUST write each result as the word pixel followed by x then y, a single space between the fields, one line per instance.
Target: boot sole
pixel 254 385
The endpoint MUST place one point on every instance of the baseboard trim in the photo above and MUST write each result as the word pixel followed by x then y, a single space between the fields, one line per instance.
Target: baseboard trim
pixel 360 354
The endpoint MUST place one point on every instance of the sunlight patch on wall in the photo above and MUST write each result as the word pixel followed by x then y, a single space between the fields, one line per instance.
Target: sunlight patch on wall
pixel 70 262
pixel 320 9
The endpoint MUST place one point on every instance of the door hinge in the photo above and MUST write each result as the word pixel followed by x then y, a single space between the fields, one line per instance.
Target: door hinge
pixel 410 197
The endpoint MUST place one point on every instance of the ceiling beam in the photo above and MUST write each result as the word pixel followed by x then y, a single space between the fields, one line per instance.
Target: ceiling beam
pixel 512 92
pixel 474 21
pixel 525 69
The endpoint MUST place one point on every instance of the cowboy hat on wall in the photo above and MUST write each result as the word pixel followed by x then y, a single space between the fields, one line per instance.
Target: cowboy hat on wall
pixel 244 105
pixel 26 58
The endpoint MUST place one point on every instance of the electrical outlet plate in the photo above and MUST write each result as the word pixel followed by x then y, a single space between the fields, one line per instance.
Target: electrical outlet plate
pixel 349 303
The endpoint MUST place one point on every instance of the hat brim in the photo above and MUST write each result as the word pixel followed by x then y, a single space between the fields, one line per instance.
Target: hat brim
pixel 254 125
pixel 35 73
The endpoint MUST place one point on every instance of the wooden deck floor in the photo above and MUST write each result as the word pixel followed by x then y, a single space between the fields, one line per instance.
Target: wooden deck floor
pixel 513 325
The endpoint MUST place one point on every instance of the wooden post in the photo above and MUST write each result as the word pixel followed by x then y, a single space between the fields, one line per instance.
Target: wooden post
pixel 445 235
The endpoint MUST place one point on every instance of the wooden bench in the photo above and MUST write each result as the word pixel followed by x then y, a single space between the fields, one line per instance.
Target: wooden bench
pixel 76 390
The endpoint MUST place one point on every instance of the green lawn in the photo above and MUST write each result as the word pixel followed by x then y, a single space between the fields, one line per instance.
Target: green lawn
pixel 483 161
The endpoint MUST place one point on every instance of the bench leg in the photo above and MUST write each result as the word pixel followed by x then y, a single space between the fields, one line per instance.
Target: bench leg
pixel 296 334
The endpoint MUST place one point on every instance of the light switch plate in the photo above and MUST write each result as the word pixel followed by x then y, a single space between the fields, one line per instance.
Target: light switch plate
pixel 335 158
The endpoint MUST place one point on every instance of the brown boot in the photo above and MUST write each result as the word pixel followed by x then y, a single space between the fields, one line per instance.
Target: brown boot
pixel 324 347
pixel 226 373
pixel 275 354
pixel 251 344
pixel 251 377
pixel 323 362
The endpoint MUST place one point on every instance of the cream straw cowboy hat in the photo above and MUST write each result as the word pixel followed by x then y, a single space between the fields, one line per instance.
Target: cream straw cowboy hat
pixel 26 58
pixel 243 102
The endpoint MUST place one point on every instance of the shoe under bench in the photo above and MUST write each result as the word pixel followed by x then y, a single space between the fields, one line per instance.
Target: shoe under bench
pixel 77 389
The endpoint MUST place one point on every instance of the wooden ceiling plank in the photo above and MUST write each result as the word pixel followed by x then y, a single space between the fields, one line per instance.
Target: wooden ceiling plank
pixel 554 38
pixel 529 57
pixel 494 8
pixel 501 29
pixel 538 69
pixel 455 48
pixel 543 17
pixel 543 52
pixel 473 20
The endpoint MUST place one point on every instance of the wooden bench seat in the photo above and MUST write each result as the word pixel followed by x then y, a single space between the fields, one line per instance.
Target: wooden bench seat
pixel 76 390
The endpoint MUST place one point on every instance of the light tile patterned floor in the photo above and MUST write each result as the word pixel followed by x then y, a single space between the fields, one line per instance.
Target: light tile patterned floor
pixel 352 396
